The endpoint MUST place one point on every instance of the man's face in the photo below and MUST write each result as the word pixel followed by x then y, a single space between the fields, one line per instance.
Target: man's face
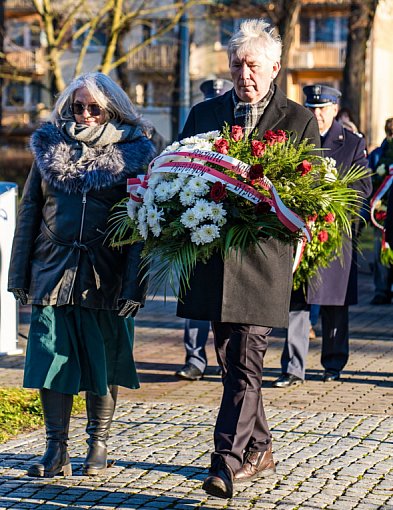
pixel 325 116
pixel 252 75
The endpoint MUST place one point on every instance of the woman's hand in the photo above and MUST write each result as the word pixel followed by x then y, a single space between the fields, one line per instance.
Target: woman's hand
pixel 20 295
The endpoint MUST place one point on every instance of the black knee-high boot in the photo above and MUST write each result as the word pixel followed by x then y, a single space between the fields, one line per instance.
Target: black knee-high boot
pixel 57 412
pixel 100 412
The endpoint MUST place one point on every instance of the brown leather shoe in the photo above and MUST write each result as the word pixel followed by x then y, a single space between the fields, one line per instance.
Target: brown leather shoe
pixel 256 464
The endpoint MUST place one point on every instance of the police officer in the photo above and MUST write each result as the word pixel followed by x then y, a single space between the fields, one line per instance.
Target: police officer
pixel 336 286
pixel 196 332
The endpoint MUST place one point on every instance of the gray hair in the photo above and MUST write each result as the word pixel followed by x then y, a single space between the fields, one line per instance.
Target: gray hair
pixel 106 93
pixel 255 35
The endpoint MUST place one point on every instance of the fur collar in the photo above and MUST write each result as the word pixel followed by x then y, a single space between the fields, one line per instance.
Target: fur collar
pixel 100 167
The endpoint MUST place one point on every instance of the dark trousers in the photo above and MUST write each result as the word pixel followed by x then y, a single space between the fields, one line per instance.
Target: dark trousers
pixel 335 337
pixel 241 423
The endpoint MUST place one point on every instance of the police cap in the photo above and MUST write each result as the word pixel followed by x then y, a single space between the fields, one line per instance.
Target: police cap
pixel 320 95
pixel 215 87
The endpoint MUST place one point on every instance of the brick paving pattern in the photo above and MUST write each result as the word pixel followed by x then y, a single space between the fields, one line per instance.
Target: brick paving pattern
pixel 333 441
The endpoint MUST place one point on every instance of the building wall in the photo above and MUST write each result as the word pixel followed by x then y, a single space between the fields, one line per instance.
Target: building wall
pixel 379 84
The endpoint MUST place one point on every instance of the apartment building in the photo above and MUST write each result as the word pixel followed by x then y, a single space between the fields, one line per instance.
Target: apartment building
pixel 317 55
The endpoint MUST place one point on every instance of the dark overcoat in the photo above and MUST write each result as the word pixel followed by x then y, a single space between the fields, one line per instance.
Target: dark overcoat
pixel 336 285
pixel 253 288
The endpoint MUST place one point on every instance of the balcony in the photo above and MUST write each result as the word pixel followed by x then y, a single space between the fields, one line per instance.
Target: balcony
pixel 318 56
pixel 19 6
pixel 161 57
pixel 26 61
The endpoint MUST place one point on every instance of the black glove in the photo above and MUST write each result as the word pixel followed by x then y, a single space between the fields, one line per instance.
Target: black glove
pixel 20 295
pixel 128 308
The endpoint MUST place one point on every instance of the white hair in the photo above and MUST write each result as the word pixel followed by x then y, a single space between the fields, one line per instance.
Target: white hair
pixel 255 36
pixel 106 93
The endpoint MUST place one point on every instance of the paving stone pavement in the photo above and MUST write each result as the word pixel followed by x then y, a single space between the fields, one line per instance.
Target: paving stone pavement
pixel 333 442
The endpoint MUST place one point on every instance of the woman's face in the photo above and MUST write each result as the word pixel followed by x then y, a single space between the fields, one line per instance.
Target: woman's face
pixel 86 110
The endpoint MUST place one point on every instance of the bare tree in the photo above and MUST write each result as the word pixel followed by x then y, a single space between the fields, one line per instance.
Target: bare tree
pixel 360 23
pixel 115 17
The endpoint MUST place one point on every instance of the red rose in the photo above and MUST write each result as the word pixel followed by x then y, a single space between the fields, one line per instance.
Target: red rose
pixel 323 236
pixel 257 148
pixel 237 133
pixel 270 137
pixel 221 146
pixel 380 215
pixel 262 208
pixel 281 136
pixel 312 217
pixel 255 172
pixel 218 192
pixel 304 167
pixel 330 217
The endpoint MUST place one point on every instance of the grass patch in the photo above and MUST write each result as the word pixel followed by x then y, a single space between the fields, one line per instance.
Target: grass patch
pixel 21 411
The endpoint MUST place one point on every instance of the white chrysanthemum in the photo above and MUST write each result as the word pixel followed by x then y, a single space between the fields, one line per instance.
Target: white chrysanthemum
pixel 148 197
pixel 132 208
pixel 198 185
pixel 142 214
pixel 196 237
pixel 142 229
pixel 205 234
pixel 189 219
pixel 381 170
pixel 177 184
pixel 156 230
pixel 217 213
pixel 201 208
pixel 210 135
pixel 155 179
pixel 187 197
pixel 190 140
pixel 163 191
pixel 174 146
pixel 154 216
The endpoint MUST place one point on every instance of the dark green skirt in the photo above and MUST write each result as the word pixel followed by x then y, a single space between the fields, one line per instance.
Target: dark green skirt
pixel 72 349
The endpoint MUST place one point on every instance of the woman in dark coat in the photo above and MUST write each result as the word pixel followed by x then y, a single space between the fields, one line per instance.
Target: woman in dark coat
pixel 84 294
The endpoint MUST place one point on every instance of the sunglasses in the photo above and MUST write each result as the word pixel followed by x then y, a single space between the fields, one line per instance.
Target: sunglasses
pixel 93 109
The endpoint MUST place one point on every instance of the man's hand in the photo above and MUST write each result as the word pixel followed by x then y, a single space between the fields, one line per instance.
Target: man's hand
pixel 128 308
pixel 20 295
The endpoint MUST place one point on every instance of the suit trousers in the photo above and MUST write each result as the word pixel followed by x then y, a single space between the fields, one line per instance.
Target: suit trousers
pixel 294 354
pixel 335 337
pixel 241 423
pixel 196 334
pixel 335 340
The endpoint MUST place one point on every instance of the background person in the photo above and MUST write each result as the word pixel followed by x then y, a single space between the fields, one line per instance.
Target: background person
pixel 335 287
pixel 243 314
pixel 382 275
pixel 82 291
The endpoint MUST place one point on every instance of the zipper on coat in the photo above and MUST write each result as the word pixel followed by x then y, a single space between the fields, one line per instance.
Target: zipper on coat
pixel 83 216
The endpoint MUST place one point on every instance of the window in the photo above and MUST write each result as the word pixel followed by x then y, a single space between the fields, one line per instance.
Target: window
pixel 326 30
pixel 98 40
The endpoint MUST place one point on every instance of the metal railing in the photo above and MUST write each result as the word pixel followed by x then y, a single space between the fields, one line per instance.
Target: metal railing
pixel 318 55
pixel 27 60
pixel 161 57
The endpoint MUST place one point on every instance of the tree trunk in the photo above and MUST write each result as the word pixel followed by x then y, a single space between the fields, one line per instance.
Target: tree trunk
pixel 288 19
pixel 359 27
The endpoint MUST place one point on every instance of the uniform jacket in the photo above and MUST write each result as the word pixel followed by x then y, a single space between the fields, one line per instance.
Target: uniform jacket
pixel 253 288
pixel 60 254
pixel 337 284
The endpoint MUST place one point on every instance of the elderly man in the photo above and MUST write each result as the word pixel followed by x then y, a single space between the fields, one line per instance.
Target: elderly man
pixel 335 287
pixel 246 296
